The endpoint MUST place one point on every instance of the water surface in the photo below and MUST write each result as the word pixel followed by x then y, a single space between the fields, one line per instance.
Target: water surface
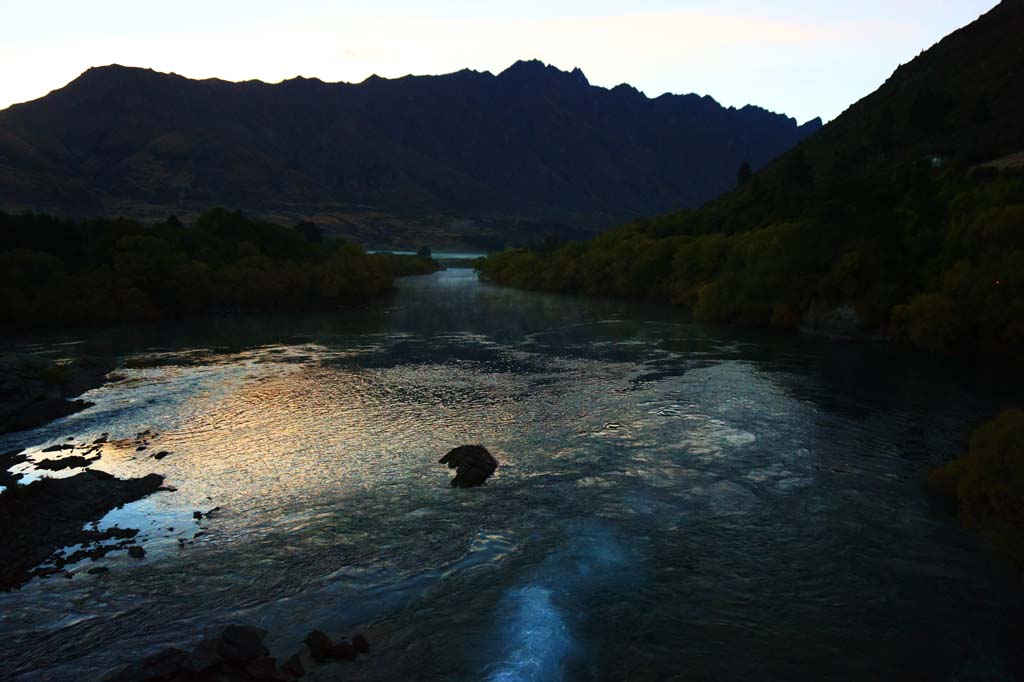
pixel 674 502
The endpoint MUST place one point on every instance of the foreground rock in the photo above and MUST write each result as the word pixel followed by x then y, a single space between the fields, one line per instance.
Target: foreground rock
pixel 38 519
pixel 237 654
pixel 7 461
pixel 473 465
pixel 72 462
pixel 35 390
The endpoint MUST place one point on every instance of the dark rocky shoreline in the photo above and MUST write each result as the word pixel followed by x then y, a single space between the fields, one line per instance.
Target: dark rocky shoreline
pixel 35 390
pixel 238 654
pixel 39 519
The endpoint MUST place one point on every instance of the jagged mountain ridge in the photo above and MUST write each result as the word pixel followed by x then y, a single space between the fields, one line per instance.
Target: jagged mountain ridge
pixel 533 146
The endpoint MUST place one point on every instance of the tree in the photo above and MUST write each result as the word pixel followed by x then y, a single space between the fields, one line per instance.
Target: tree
pixel 929 112
pixel 311 232
pixel 744 174
pixel 797 171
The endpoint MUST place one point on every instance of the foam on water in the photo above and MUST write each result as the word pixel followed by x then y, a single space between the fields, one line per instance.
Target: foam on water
pixel 537 635
pixel 535 618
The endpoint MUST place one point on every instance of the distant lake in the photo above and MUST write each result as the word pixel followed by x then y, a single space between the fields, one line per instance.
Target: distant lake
pixel 673 501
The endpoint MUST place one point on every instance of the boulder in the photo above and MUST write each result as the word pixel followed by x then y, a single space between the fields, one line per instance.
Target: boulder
pixel 243 643
pixel 361 644
pixel 320 646
pixel 473 465
pixel 343 651
pixel 293 666
pixel 236 654
pixel 206 655
pixel 72 462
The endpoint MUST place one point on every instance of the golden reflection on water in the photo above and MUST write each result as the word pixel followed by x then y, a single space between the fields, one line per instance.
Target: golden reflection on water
pixel 294 434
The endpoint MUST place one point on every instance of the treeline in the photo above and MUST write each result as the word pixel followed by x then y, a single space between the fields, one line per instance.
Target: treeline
pixel 932 255
pixel 55 272
pixel 904 217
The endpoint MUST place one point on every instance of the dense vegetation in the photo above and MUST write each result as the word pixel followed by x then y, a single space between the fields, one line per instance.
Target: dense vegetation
pixel 55 272
pixel 904 217
pixel 988 483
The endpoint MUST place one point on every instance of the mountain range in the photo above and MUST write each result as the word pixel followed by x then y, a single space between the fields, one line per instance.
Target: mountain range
pixel 469 157
pixel 902 218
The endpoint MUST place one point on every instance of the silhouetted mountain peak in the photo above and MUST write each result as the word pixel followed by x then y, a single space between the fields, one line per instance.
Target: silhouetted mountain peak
pixel 536 71
pixel 579 76
pixel 627 90
pixel 114 77
pixel 525 67
pixel 534 145
pixel 812 125
pixel 302 79
pixel 113 71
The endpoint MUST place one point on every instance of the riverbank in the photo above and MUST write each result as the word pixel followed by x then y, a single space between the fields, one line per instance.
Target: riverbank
pixel 47 515
pixel 35 390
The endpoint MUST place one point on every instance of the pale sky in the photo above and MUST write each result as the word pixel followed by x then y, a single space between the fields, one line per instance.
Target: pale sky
pixel 800 57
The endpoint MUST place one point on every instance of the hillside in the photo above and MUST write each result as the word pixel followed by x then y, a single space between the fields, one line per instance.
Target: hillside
pixel 464 157
pixel 903 218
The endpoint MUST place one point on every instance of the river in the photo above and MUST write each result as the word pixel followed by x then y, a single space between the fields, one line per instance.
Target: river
pixel 673 501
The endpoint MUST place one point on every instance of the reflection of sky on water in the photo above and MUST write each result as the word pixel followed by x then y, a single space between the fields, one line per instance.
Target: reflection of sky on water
pixel 696 491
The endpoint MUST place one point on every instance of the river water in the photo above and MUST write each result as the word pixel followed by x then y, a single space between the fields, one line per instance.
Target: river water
pixel 673 501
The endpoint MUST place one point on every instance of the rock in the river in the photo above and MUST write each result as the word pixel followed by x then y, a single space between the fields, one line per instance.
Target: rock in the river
pixel 38 519
pixel 243 643
pixel 361 644
pixel 72 462
pixel 236 654
pixel 473 465
pixel 343 651
pixel 8 460
pixel 320 645
pixel 293 666
pixel 136 552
